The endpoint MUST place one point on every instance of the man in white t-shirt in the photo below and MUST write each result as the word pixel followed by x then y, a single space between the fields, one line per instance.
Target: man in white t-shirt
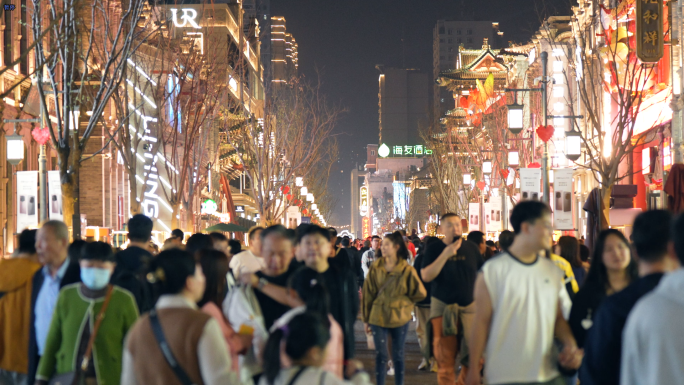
pixel 517 309
pixel 249 261
pixel 369 255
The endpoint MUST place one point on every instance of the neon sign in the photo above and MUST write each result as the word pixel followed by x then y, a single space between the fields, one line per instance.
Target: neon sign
pixel 363 210
pixel 209 207
pixel 411 151
pixel 188 17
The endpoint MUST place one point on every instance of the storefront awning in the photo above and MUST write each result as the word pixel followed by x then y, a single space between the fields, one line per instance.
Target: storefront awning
pixel 654 111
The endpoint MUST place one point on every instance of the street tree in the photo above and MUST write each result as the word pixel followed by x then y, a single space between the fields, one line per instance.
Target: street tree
pixel 81 50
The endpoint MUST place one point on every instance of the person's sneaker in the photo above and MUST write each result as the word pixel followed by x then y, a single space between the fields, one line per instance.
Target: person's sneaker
pixel 433 365
pixel 423 365
pixel 390 371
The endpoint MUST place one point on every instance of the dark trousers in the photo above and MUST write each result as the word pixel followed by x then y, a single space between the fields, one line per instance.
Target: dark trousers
pixel 398 335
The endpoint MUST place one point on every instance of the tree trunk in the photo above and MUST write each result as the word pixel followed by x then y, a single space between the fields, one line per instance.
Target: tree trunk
pixel 71 189
pixel 606 191
pixel 133 204
pixel 190 217
pixel 175 221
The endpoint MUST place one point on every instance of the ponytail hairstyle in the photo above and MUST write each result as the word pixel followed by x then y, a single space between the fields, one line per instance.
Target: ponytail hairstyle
pixel 169 271
pixel 397 239
pixel 304 332
pixel 309 286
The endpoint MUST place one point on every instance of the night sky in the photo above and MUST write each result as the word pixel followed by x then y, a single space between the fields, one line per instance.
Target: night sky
pixel 346 39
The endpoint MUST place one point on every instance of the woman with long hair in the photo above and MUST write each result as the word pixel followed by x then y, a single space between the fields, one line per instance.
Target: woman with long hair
pixel 568 247
pixel 390 291
pixel 193 339
pixel 215 263
pixel 612 269
pixel 305 338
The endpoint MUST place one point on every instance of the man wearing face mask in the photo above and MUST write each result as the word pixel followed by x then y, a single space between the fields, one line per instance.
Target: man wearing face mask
pixel 83 336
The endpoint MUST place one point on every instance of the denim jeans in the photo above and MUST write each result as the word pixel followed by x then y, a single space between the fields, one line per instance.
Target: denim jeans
pixel 398 339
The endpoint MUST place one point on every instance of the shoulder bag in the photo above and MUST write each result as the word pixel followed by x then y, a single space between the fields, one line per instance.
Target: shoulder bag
pixel 166 350
pixel 76 377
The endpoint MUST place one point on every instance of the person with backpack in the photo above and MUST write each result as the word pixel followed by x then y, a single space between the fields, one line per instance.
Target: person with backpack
pixel 305 339
pixel 89 324
pixel 132 263
pixel 389 294
pixel 196 350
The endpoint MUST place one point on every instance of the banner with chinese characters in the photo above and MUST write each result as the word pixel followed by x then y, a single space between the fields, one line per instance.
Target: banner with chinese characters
pixel 474 216
pixel 366 228
pixel 492 215
pixel 27 200
pixel 649 30
pixel 562 199
pixel 363 197
pixel 530 184
pixel 54 196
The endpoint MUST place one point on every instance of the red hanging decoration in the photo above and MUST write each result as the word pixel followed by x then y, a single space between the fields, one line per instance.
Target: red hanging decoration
pixel 534 165
pixel 504 173
pixel 481 185
pixel 286 189
pixel 288 197
pixel 545 133
pixel 41 136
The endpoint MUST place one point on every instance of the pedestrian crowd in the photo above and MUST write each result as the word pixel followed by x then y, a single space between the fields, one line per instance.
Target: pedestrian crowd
pixel 281 310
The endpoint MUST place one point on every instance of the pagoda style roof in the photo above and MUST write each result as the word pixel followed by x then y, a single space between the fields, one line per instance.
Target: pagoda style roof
pixel 475 64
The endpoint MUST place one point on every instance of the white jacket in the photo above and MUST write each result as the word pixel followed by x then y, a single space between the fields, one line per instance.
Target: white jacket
pixel 367 260
pixel 653 341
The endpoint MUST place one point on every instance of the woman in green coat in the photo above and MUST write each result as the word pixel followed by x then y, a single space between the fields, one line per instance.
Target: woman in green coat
pixel 75 317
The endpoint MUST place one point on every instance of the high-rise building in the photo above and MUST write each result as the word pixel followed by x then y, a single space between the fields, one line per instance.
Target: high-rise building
pixel 260 10
pixel 403 106
pixel 448 35
pixel 284 61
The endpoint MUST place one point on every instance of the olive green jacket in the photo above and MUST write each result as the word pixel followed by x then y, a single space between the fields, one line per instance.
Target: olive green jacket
pixel 392 307
pixel 66 329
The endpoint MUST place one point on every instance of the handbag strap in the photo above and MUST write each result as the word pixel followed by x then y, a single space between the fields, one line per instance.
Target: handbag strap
pixel 166 350
pixel 387 281
pixel 96 327
pixel 296 376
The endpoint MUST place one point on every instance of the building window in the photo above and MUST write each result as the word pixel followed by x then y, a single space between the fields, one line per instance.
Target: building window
pixel 458 31
pixel 441 30
pixel 470 32
pixel 459 40
pixel 451 49
pixel 450 31
pixel 470 40
pixel 372 152
pixel 441 41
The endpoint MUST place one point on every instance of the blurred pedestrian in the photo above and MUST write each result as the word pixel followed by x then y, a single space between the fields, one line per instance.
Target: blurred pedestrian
pixel 568 247
pixel 506 239
pixel 451 267
pixel 90 321
pixel 389 294
pixel 422 309
pixel 518 312
pixel 368 256
pixel 132 264
pixel 178 237
pixel 194 342
pixel 612 269
pixel 603 346
pixel 249 261
pixel 478 238
pixel 220 241
pixel 16 274
pixel 306 287
pixel 215 264
pixel 305 338
pixel 653 341
pixel 59 270
pixel 197 242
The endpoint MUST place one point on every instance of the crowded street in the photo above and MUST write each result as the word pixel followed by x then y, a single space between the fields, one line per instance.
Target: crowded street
pixel 367 192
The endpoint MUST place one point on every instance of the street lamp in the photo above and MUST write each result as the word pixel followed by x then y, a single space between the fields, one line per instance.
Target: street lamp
pixel 466 179
pixel 309 197
pixel 513 158
pixel 515 118
pixel 314 207
pixel 15 148
pixel 299 181
pixel 573 145
pixel 304 191
pixel 487 167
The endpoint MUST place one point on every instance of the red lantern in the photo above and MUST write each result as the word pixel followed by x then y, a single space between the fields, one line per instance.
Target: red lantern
pixel 545 133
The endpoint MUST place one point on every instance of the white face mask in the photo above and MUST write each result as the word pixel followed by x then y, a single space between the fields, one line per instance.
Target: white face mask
pixel 95 278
